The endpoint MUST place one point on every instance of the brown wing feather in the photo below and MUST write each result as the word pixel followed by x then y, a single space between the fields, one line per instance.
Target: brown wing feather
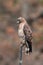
pixel 27 32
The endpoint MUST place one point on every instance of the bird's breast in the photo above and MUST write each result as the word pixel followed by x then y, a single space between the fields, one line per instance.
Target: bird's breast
pixel 20 30
pixel 21 35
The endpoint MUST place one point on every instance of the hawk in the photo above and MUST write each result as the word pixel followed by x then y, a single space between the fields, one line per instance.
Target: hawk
pixel 25 33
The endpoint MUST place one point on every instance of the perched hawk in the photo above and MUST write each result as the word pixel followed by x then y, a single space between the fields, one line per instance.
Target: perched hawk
pixel 25 33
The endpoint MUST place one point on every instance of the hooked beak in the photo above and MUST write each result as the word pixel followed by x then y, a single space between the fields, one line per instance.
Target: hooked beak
pixel 17 22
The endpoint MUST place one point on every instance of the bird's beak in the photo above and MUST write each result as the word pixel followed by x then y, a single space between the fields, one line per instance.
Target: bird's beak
pixel 17 22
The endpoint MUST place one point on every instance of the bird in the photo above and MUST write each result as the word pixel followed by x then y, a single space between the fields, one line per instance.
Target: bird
pixel 25 33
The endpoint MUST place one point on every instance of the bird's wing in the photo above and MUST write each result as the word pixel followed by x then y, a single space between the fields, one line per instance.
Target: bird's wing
pixel 27 32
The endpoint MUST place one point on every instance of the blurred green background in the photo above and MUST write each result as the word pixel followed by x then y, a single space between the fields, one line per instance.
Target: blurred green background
pixel 10 10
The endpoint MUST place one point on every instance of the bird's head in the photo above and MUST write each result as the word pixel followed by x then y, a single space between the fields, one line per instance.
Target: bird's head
pixel 20 20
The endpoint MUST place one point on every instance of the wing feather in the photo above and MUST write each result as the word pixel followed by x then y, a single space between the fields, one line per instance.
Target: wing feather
pixel 27 32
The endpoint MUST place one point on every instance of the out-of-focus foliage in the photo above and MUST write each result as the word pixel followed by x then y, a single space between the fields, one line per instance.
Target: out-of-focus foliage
pixel 15 2
pixel 41 1
pixel 9 40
